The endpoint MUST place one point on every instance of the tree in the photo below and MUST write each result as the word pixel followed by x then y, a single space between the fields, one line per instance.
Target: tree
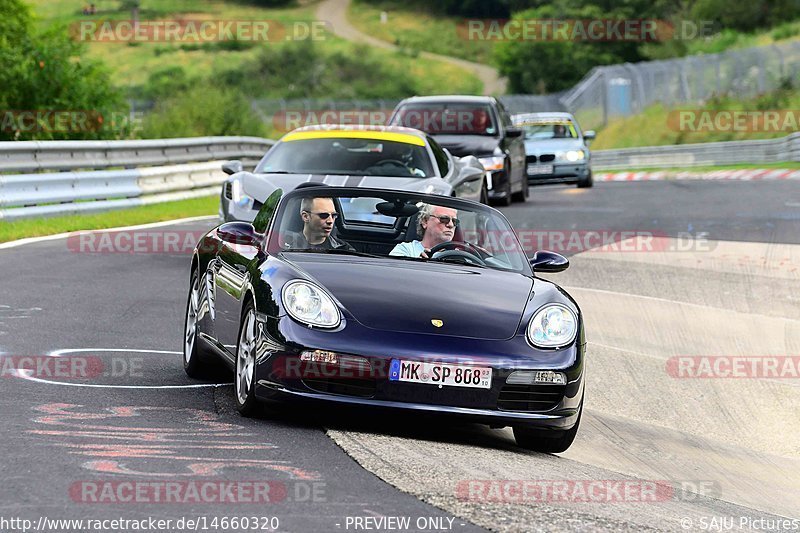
pixel 45 71
pixel 545 64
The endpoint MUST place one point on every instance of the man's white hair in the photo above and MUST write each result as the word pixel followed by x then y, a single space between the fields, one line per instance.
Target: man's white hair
pixel 425 212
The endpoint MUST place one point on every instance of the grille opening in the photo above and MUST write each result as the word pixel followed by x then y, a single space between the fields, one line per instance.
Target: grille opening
pixel 352 376
pixel 530 398
pixel 545 158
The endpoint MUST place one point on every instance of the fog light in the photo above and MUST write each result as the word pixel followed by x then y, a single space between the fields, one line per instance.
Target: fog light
pixel 529 377
pixel 319 356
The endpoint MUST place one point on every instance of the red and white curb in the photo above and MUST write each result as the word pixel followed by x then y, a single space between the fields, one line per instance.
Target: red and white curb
pixel 750 174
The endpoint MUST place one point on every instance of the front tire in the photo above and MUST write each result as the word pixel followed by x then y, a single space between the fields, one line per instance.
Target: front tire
pixel 547 440
pixel 484 195
pixel 522 196
pixel 505 201
pixel 244 381
pixel 586 182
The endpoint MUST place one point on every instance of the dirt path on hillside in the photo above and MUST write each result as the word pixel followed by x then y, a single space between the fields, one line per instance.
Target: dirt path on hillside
pixel 335 13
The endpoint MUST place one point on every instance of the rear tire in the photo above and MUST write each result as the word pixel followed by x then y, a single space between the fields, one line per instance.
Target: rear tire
pixel 547 440
pixel 244 380
pixel 197 363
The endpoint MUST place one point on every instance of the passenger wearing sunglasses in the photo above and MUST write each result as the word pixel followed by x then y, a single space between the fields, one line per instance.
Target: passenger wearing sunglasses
pixel 319 216
pixel 436 224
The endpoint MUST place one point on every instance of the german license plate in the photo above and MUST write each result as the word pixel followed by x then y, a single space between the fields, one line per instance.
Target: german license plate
pixel 440 374
pixel 540 169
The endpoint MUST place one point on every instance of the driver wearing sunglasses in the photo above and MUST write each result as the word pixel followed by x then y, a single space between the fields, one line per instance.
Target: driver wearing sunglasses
pixel 436 224
pixel 319 216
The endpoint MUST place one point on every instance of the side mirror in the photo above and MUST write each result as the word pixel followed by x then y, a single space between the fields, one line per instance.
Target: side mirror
pixel 513 132
pixel 589 135
pixel 544 261
pixel 232 167
pixel 241 233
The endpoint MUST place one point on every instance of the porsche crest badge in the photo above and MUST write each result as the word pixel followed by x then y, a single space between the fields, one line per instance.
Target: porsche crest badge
pixel 437 323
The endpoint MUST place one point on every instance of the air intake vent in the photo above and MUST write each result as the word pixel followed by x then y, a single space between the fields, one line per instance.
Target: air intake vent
pixel 228 190
pixel 530 398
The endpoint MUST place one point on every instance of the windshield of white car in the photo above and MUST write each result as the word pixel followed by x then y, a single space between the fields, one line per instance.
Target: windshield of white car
pixel 549 130
pixel 345 156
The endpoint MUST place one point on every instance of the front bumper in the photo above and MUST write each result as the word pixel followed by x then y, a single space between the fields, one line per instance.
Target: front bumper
pixel 497 184
pixel 563 172
pixel 539 405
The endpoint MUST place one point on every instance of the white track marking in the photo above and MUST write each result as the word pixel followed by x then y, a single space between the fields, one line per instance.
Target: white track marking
pixel 59 353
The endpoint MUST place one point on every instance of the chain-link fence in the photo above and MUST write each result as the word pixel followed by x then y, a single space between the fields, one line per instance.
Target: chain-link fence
pixel 621 90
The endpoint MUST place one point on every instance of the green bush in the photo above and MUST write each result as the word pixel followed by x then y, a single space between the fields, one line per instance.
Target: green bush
pixel 302 70
pixel 203 110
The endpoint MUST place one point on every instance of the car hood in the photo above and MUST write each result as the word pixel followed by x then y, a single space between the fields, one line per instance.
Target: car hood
pixel 262 188
pixel 461 145
pixel 405 296
pixel 549 146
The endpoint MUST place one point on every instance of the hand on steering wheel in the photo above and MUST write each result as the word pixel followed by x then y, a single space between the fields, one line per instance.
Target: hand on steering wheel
pixel 459 249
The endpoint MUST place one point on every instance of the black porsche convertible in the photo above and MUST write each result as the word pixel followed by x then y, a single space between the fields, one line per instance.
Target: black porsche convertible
pixel 469 329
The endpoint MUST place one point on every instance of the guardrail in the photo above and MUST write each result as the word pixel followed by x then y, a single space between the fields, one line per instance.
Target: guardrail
pixel 103 175
pixel 702 154
pixel 37 156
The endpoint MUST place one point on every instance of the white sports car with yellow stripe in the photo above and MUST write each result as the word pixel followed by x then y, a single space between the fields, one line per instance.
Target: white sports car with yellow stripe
pixel 385 157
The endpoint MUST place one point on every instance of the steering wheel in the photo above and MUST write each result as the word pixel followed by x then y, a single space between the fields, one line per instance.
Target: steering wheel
pixel 459 249
pixel 392 162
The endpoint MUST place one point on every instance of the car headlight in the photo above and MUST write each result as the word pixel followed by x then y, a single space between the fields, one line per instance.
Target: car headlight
pixel 492 163
pixel 553 326
pixel 239 197
pixel 571 155
pixel 309 304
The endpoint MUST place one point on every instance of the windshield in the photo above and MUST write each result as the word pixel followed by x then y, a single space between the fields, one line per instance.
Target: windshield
pixel 456 119
pixel 555 129
pixel 363 157
pixel 396 226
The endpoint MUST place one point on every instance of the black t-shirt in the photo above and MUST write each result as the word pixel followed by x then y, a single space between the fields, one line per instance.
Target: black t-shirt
pixel 298 241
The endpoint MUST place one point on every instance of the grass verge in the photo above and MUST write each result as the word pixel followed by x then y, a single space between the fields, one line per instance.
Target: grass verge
pixel 37 227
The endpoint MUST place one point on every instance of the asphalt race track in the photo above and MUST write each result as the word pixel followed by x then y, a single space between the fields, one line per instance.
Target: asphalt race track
pixel 693 269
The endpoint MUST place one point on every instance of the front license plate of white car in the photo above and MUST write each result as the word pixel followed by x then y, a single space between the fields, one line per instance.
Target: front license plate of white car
pixel 441 374
pixel 540 169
